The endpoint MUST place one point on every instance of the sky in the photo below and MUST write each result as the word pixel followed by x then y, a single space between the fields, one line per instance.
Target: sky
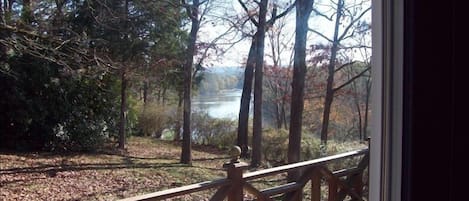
pixel 237 55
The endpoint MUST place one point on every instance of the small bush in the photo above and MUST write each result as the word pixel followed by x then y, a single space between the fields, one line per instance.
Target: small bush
pixel 78 134
pixel 275 148
pixel 41 98
pixel 154 119
pixel 213 131
pixel 134 108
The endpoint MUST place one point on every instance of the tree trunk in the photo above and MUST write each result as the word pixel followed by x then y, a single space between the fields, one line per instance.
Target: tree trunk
pixel 163 96
pixel 257 127
pixel 145 93
pixel 278 115
pixel 284 115
pixel 284 105
pixel 243 120
pixel 303 11
pixel 3 50
pixel 123 111
pixel 186 157
pixel 177 127
pixel 360 123
pixel 367 101
pixel 330 81
pixel 277 105
pixel 2 15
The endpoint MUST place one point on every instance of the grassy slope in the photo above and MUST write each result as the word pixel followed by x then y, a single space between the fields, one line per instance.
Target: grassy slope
pixel 150 165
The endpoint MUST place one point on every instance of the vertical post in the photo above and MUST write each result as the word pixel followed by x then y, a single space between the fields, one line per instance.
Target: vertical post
pixel 367 181
pixel 357 179
pixel 357 184
pixel 368 140
pixel 235 170
pixel 316 185
pixel 332 189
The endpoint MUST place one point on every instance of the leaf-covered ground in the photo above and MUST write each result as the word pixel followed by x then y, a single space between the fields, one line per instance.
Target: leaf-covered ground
pixel 149 165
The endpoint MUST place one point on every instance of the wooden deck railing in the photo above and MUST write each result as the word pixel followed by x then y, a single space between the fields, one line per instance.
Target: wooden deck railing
pixel 341 183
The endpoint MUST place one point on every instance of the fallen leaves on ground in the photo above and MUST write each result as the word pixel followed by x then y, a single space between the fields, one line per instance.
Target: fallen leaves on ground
pixel 148 166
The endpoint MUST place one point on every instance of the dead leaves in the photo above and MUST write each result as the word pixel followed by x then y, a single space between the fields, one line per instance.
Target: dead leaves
pixel 149 166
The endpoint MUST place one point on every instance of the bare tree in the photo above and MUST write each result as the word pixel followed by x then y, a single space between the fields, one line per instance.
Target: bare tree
pixel 303 12
pixel 258 77
pixel 255 60
pixel 278 77
pixel 360 93
pixel 278 81
pixel 337 39
pixel 362 88
pixel 124 85
pixel 193 12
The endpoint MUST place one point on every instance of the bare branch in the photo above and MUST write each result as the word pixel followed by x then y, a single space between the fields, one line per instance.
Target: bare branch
pixel 232 44
pixel 236 24
pixel 190 13
pixel 348 36
pixel 243 5
pixel 322 15
pixel 70 54
pixel 353 22
pixel 213 44
pixel 344 65
pixel 356 47
pixel 320 34
pixel 351 80
pixel 200 3
pixel 204 12
pixel 192 9
pixel 285 12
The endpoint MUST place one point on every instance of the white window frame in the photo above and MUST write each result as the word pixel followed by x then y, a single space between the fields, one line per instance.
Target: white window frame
pixel 387 96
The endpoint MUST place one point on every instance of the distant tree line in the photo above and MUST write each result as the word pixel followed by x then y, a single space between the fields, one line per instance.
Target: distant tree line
pixel 213 83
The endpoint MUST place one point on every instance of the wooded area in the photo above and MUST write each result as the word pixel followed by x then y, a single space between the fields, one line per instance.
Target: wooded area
pixel 80 75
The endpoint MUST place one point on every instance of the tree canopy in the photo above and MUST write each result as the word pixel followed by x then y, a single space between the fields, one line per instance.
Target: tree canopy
pixel 61 62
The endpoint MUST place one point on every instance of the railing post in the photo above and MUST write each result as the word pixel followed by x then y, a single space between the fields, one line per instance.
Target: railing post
pixel 316 185
pixel 368 140
pixel 332 189
pixel 357 180
pixel 235 170
pixel 357 184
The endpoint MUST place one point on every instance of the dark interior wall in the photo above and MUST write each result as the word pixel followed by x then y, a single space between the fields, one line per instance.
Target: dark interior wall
pixel 434 140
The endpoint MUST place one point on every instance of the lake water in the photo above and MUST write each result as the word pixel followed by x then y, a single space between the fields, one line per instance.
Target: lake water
pixel 224 104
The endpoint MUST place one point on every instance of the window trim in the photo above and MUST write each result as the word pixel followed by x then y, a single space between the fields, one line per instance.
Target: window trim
pixel 387 96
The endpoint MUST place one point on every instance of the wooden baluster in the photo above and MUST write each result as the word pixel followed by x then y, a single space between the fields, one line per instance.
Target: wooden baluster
pixel 235 170
pixel 357 184
pixel 332 189
pixel 357 181
pixel 316 185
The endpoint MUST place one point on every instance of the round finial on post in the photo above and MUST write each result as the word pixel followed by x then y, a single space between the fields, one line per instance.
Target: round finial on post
pixel 235 153
pixel 368 140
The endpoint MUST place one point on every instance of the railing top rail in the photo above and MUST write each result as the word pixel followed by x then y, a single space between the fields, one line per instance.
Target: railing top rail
pixel 183 190
pixel 173 192
pixel 300 165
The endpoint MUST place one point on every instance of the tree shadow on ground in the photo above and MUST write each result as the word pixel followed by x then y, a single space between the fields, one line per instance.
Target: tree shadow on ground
pixel 87 166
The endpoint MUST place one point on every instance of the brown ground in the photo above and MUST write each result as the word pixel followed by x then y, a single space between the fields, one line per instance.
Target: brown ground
pixel 150 165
